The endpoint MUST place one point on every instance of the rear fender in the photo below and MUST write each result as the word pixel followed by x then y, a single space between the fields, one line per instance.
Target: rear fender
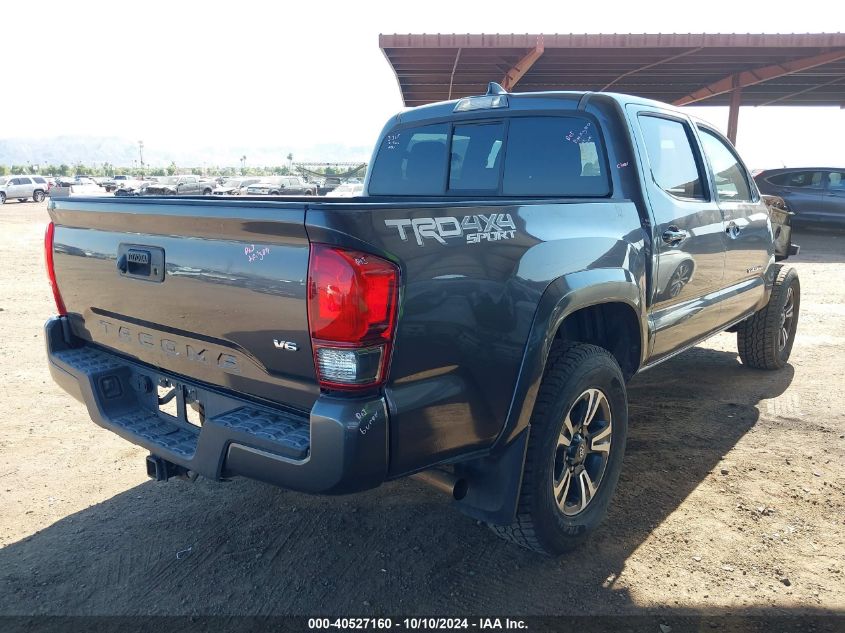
pixel 494 481
pixel 563 297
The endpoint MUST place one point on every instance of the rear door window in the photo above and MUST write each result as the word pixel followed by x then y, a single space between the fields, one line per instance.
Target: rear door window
pixel 670 154
pixel 412 162
pixel 731 179
pixel 836 181
pixel 24 181
pixel 554 156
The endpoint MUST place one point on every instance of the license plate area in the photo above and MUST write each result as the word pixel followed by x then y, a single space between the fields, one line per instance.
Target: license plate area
pixel 180 403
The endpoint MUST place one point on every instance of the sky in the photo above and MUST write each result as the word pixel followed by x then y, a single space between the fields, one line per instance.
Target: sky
pixel 179 73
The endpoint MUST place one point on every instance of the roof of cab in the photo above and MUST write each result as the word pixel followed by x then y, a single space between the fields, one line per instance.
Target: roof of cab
pixel 522 101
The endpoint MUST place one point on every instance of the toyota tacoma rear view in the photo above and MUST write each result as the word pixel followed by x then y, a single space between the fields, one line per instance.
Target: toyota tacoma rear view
pixel 472 320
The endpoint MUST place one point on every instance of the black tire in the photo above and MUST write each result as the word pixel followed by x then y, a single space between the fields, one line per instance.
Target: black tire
pixel 2 198
pixel 38 196
pixel 542 524
pixel 206 192
pixel 765 339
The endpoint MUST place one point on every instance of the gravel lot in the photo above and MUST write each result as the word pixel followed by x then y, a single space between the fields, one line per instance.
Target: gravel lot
pixel 731 497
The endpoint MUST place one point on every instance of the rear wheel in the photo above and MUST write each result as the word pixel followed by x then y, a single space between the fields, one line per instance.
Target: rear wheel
pixel 38 196
pixel 575 450
pixel 765 339
pixel 206 192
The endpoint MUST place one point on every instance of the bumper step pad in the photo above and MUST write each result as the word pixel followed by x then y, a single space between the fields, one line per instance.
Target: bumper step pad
pixel 292 434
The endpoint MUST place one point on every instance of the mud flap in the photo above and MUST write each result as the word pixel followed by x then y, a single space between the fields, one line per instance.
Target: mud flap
pixel 781 219
pixel 494 483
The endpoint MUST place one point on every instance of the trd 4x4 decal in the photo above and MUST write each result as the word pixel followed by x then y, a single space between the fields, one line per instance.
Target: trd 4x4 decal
pixel 475 228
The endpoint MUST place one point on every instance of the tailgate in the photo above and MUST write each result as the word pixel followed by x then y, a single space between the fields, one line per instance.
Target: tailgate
pixel 210 289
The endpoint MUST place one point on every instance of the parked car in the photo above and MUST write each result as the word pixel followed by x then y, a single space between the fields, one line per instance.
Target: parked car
pixel 472 322
pixel 282 185
pixel 22 188
pixel 348 190
pixel 75 186
pixel 115 182
pixel 185 185
pixel 330 183
pixel 235 186
pixel 815 194
pixel 133 187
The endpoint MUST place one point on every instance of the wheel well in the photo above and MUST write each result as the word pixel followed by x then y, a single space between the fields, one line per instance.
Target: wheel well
pixel 613 326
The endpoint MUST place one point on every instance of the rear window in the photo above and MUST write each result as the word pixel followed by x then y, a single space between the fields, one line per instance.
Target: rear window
pixel 525 156
pixel 550 156
pixel 411 162
pixel 476 152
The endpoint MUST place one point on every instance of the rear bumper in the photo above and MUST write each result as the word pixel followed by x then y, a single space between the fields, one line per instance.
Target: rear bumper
pixel 340 446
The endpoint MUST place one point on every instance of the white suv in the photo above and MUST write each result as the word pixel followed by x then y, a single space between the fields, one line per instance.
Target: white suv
pixel 22 187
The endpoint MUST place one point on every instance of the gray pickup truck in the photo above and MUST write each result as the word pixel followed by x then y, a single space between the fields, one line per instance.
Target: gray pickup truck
pixel 471 321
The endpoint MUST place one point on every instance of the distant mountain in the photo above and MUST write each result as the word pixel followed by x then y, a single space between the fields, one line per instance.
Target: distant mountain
pixel 93 150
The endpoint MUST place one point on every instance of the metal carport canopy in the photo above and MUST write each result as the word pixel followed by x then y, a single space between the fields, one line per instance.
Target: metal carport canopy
pixel 701 68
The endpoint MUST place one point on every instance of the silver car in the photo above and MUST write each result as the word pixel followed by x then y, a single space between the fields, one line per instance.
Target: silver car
pixel 22 188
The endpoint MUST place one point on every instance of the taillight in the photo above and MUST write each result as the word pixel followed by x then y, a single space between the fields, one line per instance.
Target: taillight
pixel 51 270
pixel 352 303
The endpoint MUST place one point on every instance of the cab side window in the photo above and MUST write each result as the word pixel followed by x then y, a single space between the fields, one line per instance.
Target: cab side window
pixel 836 180
pixel 797 179
pixel 670 154
pixel 731 178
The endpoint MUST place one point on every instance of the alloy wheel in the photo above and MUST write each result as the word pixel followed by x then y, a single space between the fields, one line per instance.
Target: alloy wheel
pixel 786 318
pixel 582 452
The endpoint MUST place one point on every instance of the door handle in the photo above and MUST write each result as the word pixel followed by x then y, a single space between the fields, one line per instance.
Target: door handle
pixel 674 236
pixel 733 230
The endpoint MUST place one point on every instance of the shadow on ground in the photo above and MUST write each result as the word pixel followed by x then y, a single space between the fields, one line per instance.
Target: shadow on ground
pixel 246 548
pixel 823 245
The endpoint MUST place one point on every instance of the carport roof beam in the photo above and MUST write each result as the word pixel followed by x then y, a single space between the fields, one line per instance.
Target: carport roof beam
pixel 794 69
pixel 518 70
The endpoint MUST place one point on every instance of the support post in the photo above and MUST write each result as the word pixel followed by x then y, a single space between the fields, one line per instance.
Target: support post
pixel 733 113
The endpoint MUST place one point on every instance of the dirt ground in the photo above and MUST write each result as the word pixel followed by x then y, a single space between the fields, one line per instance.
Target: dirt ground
pixel 731 497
